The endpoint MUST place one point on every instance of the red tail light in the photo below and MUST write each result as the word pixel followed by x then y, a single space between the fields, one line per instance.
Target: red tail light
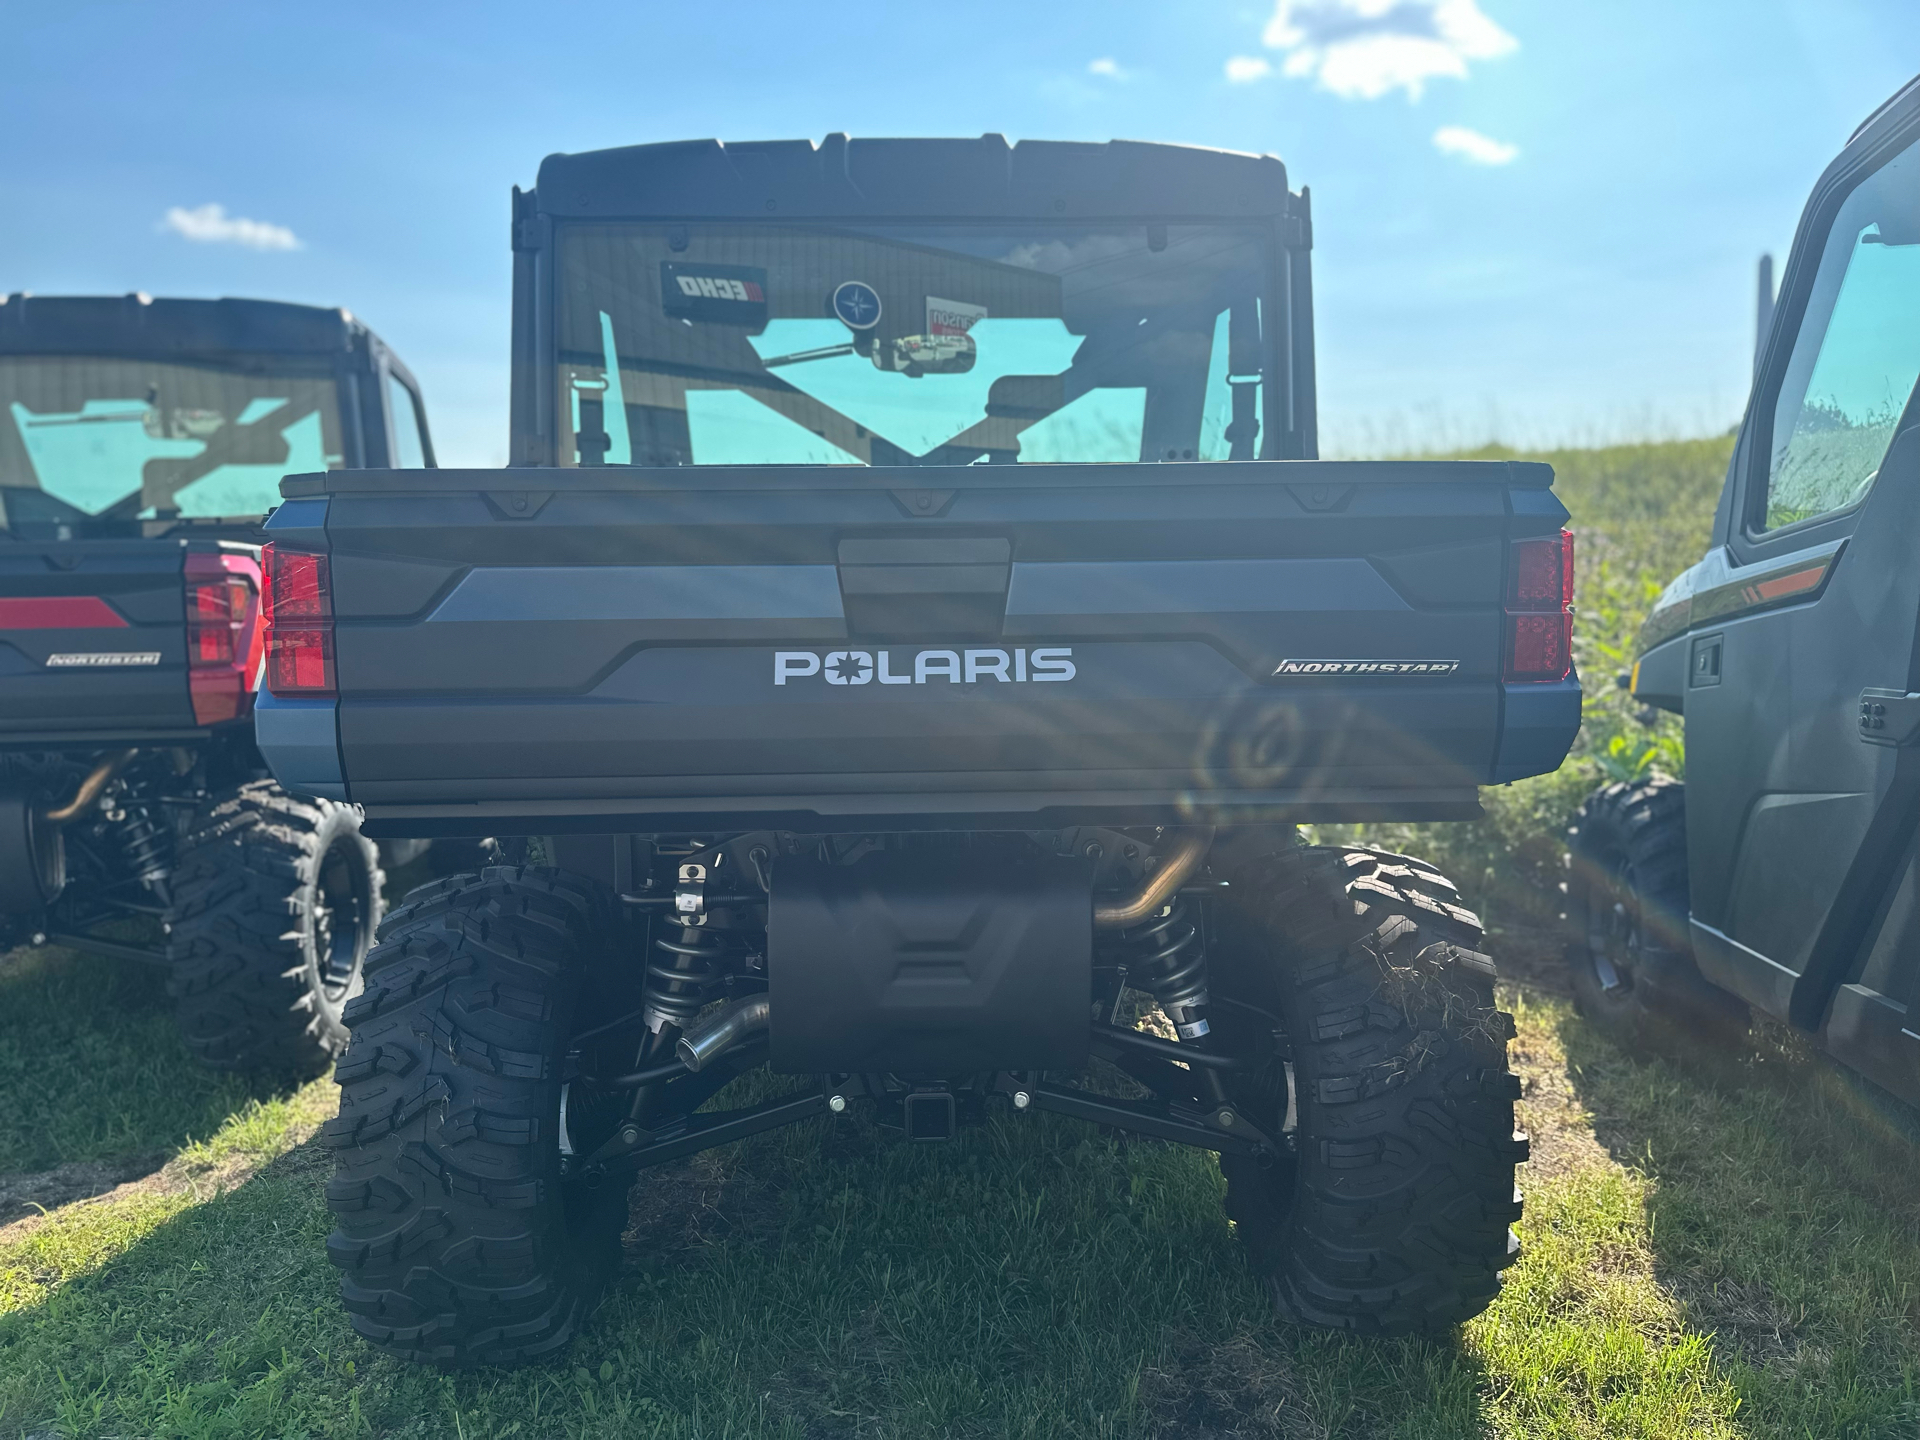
pixel 216 612
pixel 1540 609
pixel 224 634
pixel 299 623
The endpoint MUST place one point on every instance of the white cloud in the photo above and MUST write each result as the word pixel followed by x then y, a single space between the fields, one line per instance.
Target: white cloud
pixel 1245 69
pixel 211 225
pixel 1107 67
pixel 1473 147
pixel 1363 49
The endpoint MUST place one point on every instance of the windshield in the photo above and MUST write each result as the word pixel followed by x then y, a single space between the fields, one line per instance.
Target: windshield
pixel 732 344
pixel 106 439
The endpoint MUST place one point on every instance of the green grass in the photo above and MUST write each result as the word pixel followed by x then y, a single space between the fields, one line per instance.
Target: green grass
pixel 1722 1254
pixel 92 1068
pixel 1727 1250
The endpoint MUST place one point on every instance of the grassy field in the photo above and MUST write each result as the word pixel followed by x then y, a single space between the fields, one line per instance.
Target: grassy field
pixel 1729 1249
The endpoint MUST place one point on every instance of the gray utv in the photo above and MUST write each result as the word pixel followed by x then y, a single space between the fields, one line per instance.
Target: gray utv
pixel 1782 875
pixel 911 628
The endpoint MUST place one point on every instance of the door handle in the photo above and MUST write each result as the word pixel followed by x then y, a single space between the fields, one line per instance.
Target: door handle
pixel 1889 717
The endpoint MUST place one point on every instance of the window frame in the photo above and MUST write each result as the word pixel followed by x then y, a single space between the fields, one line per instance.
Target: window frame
pixel 1288 422
pixel 1749 539
pixel 393 372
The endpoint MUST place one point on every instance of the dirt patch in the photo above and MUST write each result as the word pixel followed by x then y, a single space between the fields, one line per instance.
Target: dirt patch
pixel 1745 1319
pixel 675 1209
pixel 24 1195
pixel 1550 1108
pixel 1237 1391
pixel 1533 956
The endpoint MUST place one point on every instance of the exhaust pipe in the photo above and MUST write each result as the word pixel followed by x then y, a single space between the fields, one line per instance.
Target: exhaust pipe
pixel 1181 862
pixel 97 780
pixel 729 1027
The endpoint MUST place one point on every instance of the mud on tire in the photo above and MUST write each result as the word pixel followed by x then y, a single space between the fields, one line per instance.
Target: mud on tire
pixel 458 1239
pixel 276 900
pixel 1627 905
pixel 1392 1214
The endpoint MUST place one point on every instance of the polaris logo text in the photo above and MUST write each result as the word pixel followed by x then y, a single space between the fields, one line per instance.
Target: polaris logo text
pixel 956 667
pixel 1367 667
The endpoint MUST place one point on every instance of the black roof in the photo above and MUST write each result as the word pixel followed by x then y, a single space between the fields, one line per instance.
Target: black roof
pixel 139 324
pixel 935 179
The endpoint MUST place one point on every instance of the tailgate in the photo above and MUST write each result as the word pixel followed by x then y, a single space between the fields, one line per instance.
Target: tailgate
pixel 93 644
pixel 795 646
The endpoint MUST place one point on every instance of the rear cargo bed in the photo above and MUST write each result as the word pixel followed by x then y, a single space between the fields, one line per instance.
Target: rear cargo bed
pixel 833 646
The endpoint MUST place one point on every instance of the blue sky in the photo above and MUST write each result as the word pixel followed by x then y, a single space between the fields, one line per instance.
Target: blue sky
pixel 1573 263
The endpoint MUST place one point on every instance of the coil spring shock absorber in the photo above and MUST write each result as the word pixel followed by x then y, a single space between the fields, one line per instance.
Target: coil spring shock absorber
pixel 148 851
pixel 694 960
pixel 1167 958
pixel 689 972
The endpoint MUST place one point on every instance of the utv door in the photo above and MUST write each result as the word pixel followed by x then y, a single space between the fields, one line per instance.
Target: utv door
pixel 1801 802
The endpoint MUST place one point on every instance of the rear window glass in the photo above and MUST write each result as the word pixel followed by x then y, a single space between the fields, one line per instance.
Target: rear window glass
pixel 736 344
pixel 126 439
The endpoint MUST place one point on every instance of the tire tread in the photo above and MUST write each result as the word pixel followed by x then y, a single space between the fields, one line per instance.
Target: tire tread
pixel 450 1219
pixel 239 946
pixel 1394 1216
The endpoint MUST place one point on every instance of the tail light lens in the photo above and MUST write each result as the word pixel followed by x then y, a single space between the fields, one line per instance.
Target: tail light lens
pixel 224 634
pixel 299 623
pixel 216 612
pixel 1540 609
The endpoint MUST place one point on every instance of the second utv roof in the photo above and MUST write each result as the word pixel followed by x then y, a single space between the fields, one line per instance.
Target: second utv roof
pixel 889 179
pixel 139 324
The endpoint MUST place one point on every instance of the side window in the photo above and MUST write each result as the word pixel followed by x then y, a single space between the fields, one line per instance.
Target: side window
pixel 408 452
pixel 1857 355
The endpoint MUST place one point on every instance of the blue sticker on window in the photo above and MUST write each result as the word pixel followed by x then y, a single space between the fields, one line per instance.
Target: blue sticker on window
pixel 857 304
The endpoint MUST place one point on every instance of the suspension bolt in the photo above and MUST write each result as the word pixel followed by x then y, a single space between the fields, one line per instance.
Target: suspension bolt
pixel 836 1103
pixel 629 1134
pixel 39 937
pixel 1021 1099
pixel 1225 1119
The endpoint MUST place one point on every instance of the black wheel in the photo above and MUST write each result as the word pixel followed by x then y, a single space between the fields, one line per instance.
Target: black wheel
pixel 1391 1214
pixel 1632 962
pixel 276 901
pixel 460 1238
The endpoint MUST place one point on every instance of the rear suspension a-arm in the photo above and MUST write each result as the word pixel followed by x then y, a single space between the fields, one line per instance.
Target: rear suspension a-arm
pixel 1223 1129
pixel 634 1147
